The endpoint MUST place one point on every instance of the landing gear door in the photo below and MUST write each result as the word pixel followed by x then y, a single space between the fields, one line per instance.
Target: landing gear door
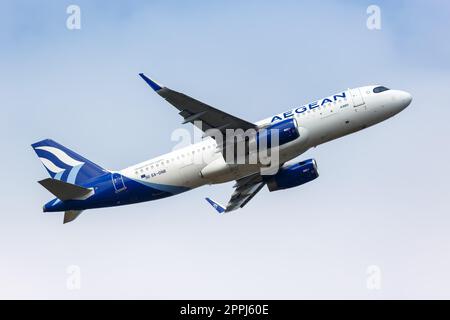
pixel 358 101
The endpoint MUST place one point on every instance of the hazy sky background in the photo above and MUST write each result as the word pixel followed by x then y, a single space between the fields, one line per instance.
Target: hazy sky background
pixel 382 198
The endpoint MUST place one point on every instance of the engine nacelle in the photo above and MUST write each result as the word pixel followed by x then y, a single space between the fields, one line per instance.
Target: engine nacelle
pixel 287 132
pixel 293 175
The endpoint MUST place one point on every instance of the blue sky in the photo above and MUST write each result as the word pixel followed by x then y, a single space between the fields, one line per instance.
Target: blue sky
pixel 381 198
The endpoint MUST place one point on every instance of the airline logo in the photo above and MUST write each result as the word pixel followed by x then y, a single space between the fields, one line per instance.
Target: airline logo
pixel 57 162
pixel 309 106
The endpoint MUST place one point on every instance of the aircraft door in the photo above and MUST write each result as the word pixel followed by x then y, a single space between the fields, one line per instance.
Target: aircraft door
pixel 357 98
pixel 118 183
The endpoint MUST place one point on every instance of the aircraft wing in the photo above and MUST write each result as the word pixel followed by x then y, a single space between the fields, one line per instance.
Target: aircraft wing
pixel 245 189
pixel 198 113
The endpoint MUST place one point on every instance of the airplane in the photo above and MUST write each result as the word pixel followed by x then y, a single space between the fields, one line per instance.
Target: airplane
pixel 79 184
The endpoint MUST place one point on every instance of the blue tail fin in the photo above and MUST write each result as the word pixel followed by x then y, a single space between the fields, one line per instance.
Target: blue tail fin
pixel 64 164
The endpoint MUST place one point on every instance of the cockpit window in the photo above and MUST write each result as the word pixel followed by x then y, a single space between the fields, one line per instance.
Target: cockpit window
pixel 380 89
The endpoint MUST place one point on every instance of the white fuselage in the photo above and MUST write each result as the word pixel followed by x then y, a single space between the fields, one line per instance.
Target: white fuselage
pixel 319 122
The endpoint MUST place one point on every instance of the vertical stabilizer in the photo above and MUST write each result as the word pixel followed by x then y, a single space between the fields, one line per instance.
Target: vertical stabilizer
pixel 65 165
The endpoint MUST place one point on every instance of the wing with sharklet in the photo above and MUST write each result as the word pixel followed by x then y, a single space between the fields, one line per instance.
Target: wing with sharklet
pixel 245 189
pixel 198 113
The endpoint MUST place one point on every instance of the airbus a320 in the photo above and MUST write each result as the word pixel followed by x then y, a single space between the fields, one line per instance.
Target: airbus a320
pixel 79 184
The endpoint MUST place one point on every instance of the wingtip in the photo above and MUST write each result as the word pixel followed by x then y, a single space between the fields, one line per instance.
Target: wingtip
pixel 153 84
pixel 220 209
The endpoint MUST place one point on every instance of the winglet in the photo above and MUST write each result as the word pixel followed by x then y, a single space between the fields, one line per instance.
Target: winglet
pixel 216 206
pixel 155 86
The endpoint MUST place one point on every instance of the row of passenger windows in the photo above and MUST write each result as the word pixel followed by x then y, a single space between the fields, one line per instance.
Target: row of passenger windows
pixel 320 108
pixel 162 163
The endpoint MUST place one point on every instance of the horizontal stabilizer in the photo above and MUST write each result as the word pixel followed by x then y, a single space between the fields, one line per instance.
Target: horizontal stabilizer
pixel 71 215
pixel 64 190
pixel 216 206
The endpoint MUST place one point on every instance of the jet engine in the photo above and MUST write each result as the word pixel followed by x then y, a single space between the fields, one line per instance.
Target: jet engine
pixel 287 132
pixel 293 175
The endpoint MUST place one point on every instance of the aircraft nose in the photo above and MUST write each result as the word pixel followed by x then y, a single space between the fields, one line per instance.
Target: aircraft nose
pixel 399 100
pixel 405 98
